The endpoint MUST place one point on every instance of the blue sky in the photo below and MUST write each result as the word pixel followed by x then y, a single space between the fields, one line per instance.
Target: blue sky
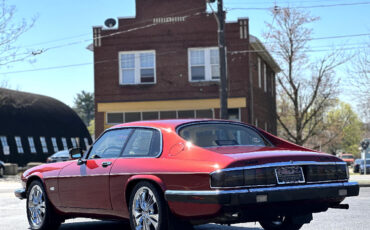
pixel 61 22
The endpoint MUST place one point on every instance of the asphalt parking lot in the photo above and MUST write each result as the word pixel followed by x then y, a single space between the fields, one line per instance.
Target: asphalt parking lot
pixel 13 216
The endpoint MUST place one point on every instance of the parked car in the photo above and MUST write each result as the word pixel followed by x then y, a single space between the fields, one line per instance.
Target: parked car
pixel 177 173
pixel 59 156
pixel 356 165
pixel 362 171
pixel 2 168
pixel 349 158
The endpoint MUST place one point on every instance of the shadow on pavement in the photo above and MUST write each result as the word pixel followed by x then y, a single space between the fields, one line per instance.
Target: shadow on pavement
pixel 96 225
pixel 116 225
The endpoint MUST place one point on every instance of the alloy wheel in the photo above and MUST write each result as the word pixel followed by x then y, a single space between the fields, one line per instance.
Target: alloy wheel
pixel 145 210
pixel 36 206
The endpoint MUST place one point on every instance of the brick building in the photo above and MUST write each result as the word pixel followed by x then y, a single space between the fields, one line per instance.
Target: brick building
pixel 164 64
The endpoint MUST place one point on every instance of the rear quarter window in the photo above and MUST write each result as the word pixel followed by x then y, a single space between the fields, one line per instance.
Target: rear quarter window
pixel 143 143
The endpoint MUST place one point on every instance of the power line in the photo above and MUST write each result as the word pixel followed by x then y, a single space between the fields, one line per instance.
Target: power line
pixel 76 65
pixel 166 53
pixel 47 68
pixel 305 51
pixel 328 37
pixel 282 2
pixel 303 7
pixel 110 35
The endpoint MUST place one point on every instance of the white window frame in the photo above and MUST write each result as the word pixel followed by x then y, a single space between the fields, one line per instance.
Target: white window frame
pixel 44 145
pixel 137 67
pixel 207 63
pixel 265 76
pixel 4 143
pixel 55 144
pixel 18 142
pixel 65 145
pixel 259 72
pixel 74 142
pixel 87 145
pixel 31 142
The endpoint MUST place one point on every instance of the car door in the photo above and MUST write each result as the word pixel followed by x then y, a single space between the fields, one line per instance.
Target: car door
pixel 86 185
pixel 140 152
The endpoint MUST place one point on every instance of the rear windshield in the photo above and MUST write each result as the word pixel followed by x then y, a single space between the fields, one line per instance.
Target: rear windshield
pixel 222 134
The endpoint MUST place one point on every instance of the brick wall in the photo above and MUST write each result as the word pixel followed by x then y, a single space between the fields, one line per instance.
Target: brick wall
pixel 171 42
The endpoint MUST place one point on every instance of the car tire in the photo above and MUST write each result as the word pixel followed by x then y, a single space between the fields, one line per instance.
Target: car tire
pixel 281 223
pixel 147 207
pixel 40 212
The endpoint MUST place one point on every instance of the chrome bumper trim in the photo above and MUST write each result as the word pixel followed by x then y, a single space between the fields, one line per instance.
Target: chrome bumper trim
pixel 20 193
pixel 274 194
pixel 259 190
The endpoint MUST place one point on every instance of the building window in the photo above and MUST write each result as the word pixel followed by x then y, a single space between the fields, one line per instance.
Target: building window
pixel 74 142
pixel 32 144
pixel 150 116
pixel 64 141
pixel 137 67
pixel 55 145
pixel 208 113
pixel 186 114
pixel 234 114
pixel 259 73
pixel 168 115
pixel 265 77
pixel 4 143
pixel 115 118
pixel 204 64
pixel 131 117
pixel 43 144
pixel 18 142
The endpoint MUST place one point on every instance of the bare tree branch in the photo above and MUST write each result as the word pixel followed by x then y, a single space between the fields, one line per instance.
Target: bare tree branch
pixel 10 32
pixel 308 93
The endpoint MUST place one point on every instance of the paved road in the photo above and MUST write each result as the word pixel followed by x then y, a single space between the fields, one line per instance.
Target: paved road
pixel 13 217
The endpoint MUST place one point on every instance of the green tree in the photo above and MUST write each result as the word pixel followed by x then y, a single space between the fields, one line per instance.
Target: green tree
pixel 91 128
pixel 343 130
pixel 84 105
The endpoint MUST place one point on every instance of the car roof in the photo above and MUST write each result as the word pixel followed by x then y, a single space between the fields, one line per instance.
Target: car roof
pixel 167 123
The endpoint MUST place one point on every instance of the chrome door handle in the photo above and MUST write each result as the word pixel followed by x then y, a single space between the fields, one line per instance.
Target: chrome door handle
pixel 106 164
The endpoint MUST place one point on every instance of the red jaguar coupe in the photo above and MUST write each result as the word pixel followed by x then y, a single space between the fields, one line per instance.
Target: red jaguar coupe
pixel 169 174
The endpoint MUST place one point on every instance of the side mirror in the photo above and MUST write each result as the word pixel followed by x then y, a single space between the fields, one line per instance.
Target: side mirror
pixel 75 153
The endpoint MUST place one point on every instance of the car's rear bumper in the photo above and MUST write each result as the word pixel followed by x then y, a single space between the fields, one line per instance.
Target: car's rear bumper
pixel 20 193
pixel 266 195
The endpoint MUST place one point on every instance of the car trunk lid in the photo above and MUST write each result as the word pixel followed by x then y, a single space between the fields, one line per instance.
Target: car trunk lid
pixel 255 155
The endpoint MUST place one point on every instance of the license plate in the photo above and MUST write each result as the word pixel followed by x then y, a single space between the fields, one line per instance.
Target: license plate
pixel 289 175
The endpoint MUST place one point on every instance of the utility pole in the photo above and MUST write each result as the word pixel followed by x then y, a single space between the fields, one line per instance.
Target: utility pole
pixel 222 50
